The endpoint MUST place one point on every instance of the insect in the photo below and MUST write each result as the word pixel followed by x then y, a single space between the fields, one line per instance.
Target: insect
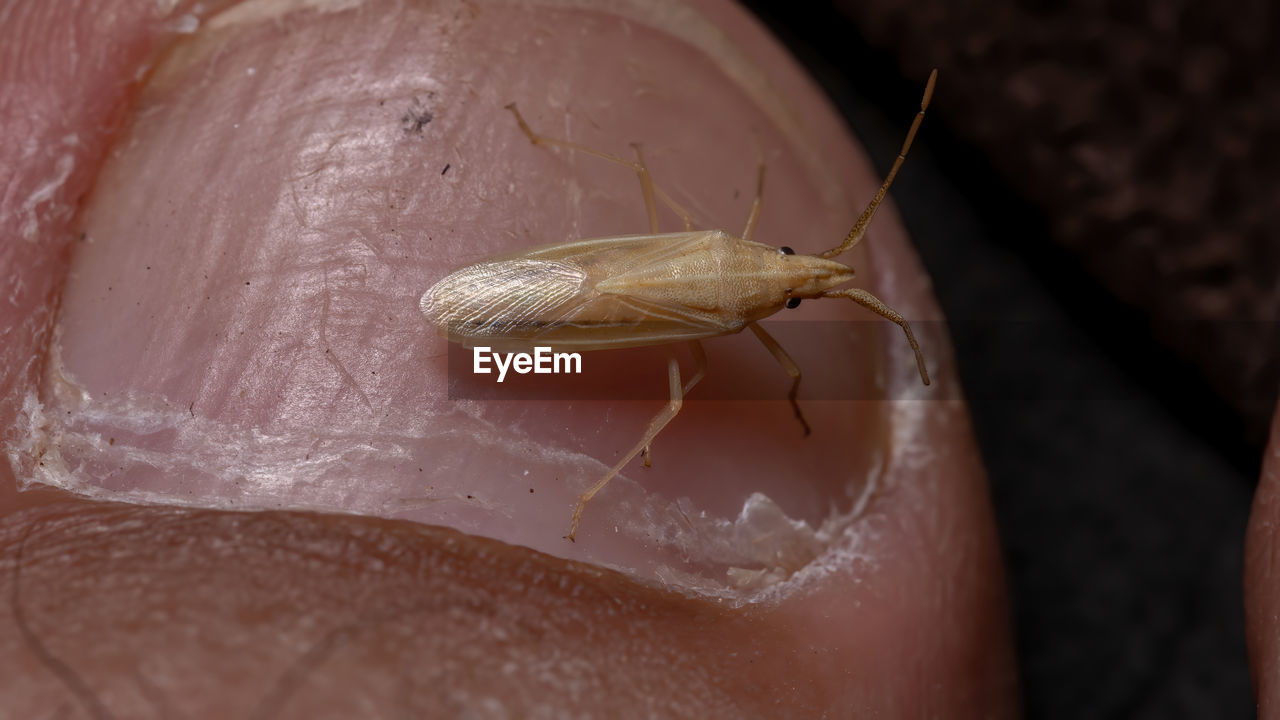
pixel 653 289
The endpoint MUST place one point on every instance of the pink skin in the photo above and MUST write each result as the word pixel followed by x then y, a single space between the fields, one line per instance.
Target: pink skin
pixel 1262 580
pixel 239 329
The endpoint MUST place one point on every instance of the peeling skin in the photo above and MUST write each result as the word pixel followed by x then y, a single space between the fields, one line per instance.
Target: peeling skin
pixel 238 330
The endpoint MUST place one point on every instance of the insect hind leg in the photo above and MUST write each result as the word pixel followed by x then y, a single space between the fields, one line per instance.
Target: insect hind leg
pixel 652 193
pixel 656 425
pixel 700 360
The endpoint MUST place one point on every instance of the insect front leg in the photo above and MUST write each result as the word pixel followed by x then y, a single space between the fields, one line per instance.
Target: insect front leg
pixel 700 359
pixel 648 187
pixel 658 422
pixel 873 303
pixel 787 364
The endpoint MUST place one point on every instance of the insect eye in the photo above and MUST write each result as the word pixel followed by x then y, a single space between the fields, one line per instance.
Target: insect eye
pixel 787 251
pixel 793 303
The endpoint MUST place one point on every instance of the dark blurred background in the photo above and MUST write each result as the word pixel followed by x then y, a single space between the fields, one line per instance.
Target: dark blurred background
pixel 1095 193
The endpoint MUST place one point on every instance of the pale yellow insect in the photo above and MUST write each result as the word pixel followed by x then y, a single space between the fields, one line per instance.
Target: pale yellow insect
pixel 651 289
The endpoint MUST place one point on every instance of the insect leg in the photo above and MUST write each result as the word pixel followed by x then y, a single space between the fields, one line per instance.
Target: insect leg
pixel 650 189
pixel 700 358
pixel 860 228
pixel 647 186
pixel 787 364
pixel 872 303
pixel 658 422
pixel 676 208
pixel 754 214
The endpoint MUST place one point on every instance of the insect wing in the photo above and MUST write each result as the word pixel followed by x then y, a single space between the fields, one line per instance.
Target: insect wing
pixel 548 295
pixel 617 321
pixel 503 299
pixel 600 258
pixel 600 320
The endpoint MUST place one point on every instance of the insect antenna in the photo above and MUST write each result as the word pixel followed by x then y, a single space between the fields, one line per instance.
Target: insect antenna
pixel 860 228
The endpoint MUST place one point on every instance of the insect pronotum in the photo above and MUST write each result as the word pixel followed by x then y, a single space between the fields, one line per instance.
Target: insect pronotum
pixel 652 289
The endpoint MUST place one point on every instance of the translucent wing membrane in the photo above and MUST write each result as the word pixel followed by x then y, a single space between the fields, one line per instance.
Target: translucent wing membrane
pixel 505 298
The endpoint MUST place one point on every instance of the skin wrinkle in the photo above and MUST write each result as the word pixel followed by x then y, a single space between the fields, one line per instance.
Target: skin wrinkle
pixel 330 355
pixel 375 545
pixel 294 676
pixel 59 668
pixel 159 702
